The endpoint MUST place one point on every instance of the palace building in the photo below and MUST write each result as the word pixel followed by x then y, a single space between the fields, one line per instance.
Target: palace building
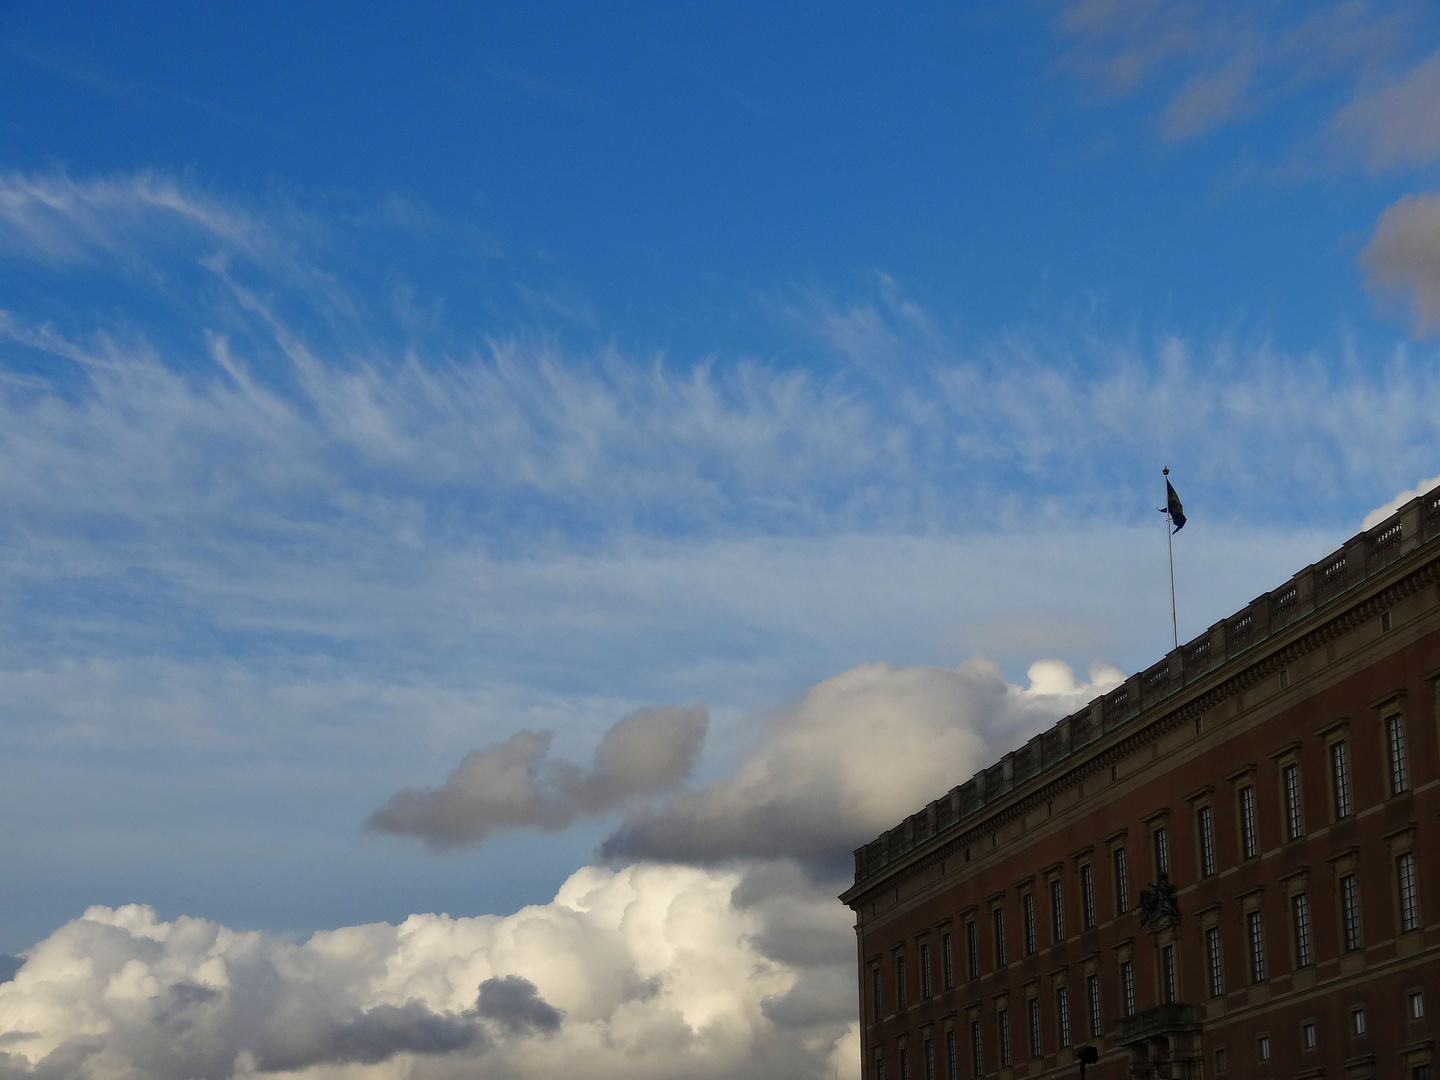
pixel 1229 866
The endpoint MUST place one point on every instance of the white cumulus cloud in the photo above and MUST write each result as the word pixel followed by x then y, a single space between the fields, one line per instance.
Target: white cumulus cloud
pixel 647 972
pixel 854 756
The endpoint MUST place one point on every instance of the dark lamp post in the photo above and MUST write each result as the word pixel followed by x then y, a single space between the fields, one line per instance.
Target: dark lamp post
pixel 1088 1055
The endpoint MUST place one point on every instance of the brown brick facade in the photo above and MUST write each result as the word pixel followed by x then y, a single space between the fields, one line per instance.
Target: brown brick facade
pixel 1284 767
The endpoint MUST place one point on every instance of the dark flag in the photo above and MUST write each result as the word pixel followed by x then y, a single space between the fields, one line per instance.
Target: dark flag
pixel 1173 507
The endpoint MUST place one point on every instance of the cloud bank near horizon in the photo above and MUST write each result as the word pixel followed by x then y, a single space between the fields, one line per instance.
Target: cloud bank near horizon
pixel 643 973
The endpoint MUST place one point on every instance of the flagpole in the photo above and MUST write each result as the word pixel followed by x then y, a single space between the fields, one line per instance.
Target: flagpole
pixel 1170 548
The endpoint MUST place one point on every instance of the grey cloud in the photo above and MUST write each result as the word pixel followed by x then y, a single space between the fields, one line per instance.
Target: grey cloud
pixel 1208 100
pixel 9 965
pixel 515 1004
pixel 374 1035
pixel 1397 123
pixel 513 784
pixel 1402 259
pixel 821 996
pixel 176 1009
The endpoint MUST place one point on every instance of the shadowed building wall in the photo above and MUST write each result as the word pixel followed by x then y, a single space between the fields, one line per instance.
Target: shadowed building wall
pixel 1227 867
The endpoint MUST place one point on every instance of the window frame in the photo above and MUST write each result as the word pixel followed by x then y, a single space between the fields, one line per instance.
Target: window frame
pixel 1120 866
pixel 1092 995
pixel 1292 798
pixel 1407 892
pixel 1029 938
pixel 1396 753
pixel 1215 961
pixel 997 930
pixel 1352 927
pixel 1249 822
pixel 1205 830
pixel 1032 1016
pixel 1255 943
pixel 1300 930
pixel 1342 794
pixel 1087 896
pixel 1169 974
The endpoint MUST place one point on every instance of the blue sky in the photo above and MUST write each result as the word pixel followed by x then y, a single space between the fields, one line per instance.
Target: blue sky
pixel 376 384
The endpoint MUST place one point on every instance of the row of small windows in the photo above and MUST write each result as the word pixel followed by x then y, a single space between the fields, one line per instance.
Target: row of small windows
pixel 1034 1046
pixel 1348 896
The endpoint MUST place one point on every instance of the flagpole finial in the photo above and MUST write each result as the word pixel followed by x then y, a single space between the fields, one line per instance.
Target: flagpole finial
pixel 1166 470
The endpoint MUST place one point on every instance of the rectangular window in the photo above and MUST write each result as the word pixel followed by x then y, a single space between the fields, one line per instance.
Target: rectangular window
pixel 1127 986
pixel 1092 991
pixel 1027 908
pixel 1033 1007
pixel 999 916
pixel 972 950
pixel 1207 840
pixel 1256 937
pixel 875 993
pixel 1057 912
pixel 1300 913
pixel 1002 1021
pixel 952 1057
pixel 1122 884
pixel 929 1051
pixel 1249 845
pixel 948 959
pixel 879 1068
pixel 1214 962
pixel 904 1064
pixel 1395 733
pixel 1340 778
pixel 1162 853
pixel 1221 1060
pixel 1167 973
pixel 1307 1035
pixel 1262 1047
pixel 1357 1021
pixel 925 986
pixel 977 1052
pixel 900 998
pixel 1409 901
pixel 1294 819
pixel 1062 1015
pixel 1087 895
pixel 1350 911
pixel 1417 1004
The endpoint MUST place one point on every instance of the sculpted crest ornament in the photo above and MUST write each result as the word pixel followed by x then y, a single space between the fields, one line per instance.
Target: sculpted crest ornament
pixel 1159 905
